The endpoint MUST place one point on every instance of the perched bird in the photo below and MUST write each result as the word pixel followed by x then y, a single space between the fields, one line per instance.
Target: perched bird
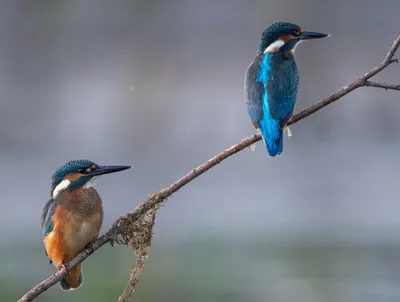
pixel 271 82
pixel 72 218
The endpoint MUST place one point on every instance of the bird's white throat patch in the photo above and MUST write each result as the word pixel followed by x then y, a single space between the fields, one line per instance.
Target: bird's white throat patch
pixel 65 183
pixel 89 184
pixel 274 47
pixel 60 187
pixel 294 48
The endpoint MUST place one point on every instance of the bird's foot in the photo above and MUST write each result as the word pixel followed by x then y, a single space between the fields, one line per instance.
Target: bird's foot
pixel 89 245
pixel 64 265
pixel 289 133
pixel 253 146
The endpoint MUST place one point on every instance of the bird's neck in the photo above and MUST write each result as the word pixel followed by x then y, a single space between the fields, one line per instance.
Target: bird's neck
pixel 278 55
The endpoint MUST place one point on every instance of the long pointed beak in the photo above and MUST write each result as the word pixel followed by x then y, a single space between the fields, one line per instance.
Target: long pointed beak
pixel 109 169
pixel 307 35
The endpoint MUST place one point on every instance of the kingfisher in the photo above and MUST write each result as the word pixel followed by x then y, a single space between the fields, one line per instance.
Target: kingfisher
pixel 72 218
pixel 271 82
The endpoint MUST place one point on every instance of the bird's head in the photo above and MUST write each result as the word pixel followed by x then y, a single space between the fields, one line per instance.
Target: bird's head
pixel 283 36
pixel 79 173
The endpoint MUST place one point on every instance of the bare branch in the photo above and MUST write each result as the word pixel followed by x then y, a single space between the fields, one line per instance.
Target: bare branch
pixel 124 223
pixel 360 82
pixel 382 85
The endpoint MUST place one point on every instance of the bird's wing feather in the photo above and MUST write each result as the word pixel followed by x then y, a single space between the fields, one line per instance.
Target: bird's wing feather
pixel 254 92
pixel 47 217
pixel 282 89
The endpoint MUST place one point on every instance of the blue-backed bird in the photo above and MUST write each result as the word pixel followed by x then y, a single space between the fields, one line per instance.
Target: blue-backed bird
pixel 271 82
pixel 72 218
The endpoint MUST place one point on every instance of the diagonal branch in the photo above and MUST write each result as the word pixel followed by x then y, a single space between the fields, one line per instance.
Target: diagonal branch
pixel 158 198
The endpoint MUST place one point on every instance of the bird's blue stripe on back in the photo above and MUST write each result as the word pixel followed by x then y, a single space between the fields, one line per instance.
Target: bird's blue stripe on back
pixel 262 77
pixel 265 68
pixel 269 127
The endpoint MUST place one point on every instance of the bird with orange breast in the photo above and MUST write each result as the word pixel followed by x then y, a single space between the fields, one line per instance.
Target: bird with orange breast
pixel 73 216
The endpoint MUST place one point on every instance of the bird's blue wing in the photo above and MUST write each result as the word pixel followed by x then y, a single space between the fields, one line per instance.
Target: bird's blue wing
pixel 282 88
pixel 254 92
pixel 47 217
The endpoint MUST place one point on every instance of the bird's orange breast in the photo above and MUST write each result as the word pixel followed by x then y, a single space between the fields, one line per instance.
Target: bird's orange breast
pixel 72 230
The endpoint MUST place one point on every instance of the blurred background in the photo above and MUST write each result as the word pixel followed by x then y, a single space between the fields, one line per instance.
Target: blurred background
pixel 159 84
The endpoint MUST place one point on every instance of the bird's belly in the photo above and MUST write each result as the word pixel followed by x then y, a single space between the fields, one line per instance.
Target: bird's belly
pixel 70 234
pixel 81 231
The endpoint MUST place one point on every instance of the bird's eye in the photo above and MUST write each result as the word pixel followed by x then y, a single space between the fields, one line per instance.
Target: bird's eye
pixel 297 33
pixel 87 170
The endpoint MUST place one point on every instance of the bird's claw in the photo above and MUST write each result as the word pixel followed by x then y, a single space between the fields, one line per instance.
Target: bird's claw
pixel 289 133
pixel 64 265
pixel 253 146
pixel 89 245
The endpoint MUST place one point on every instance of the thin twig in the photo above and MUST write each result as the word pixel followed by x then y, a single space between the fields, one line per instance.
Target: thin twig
pixel 360 82
pixel 382 85
pixel 158 197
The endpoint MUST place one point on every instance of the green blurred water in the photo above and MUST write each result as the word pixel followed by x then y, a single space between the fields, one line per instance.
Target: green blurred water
pixel 217 269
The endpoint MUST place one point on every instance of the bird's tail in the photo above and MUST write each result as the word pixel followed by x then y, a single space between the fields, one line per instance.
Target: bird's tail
pixel 73 280
pixel 272 135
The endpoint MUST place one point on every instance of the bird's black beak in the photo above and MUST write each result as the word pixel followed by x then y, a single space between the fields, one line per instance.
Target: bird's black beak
pixel 308 35
pixel 101 170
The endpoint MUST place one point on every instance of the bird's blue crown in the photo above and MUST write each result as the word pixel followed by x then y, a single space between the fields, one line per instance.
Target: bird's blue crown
pixel 77 173
pixel 73 166
pixel 274 31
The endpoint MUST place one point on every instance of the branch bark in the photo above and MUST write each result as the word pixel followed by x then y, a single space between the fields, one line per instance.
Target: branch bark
pixel 159 197
pixel 385 86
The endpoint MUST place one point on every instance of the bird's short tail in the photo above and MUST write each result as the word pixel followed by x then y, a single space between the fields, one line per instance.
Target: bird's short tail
pixel 73 280
pixel 272 135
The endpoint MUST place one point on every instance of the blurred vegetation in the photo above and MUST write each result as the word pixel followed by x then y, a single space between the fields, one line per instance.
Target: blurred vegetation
pixel 219 270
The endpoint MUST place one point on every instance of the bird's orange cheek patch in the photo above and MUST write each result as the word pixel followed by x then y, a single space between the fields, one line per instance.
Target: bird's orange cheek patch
pixel 74 176
pixel 286 38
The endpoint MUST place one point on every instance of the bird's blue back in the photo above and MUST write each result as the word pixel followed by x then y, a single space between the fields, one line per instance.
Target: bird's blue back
pixel 271 89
